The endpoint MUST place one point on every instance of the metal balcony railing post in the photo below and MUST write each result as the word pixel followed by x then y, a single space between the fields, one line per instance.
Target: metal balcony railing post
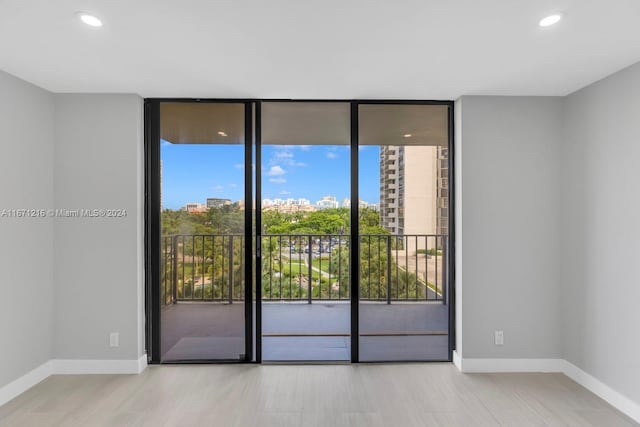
pixel 389 269
pixel 174 269
pixel 230 269
pixel 445 270
pixel 310 285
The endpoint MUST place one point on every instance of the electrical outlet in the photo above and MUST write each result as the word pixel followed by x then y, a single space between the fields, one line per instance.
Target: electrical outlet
pixel 114 339
pixel 499 337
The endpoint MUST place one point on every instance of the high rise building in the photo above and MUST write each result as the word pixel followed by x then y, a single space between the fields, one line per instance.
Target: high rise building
pixel 414 189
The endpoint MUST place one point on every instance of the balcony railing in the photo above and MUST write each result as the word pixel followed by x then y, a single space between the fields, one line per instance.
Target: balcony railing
pixel 202 267
pixel 309 267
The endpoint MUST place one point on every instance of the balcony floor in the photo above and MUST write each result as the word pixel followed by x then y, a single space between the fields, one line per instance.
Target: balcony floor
pixel 307 332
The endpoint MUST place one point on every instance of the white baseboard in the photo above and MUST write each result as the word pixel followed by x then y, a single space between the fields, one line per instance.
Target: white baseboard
pixel 619 401
pixel 511 365
pixel 25 382
pixel 594 385
pixel 73 366
pixel 457 360
pixel 68 366
pixel 142 363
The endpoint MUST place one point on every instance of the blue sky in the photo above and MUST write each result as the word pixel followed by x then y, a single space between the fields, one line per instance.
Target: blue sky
pixel 193 172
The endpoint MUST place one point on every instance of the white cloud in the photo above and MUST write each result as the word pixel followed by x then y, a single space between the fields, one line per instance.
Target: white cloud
pixel 277 180
pixel 331 155
pixel 238 166
pixel 166 143
pixel 276 171
pixel 305 147
pixel 233 185
pixel 218 189
pixel 283 154
pixel 284 193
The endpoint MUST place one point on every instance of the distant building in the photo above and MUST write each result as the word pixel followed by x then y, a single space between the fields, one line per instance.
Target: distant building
pixel 346 202
pixel 298 202
pixel 291 208
pixel 213 202
pixel 289 205
pixel 414 189
pixel 327 202
pixel 195 207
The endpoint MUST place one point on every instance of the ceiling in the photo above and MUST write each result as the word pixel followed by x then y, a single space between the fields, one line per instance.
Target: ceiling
pixel 305 123
pixel 340 49
pixel 202 123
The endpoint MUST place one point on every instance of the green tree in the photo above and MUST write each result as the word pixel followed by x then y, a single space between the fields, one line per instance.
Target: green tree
pixel 205 261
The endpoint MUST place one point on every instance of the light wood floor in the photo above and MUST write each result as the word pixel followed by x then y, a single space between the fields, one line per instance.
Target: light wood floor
pixel 309 395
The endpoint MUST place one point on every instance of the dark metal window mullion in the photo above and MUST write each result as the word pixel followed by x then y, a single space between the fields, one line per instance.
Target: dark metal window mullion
pixel 450 279
pixel 258 228
pixel 153 230
pixel 248 229
pixel 354 264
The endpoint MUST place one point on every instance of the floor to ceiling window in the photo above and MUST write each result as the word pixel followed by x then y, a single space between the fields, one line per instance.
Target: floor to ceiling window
pixel 202 276
pixel 299 230
pixel 404 309
pixel 305 231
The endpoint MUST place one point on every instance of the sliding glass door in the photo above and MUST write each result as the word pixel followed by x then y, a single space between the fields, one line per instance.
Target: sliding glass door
pixel 203 221
pixel 305 213
pixel 299 230
pixel 403 163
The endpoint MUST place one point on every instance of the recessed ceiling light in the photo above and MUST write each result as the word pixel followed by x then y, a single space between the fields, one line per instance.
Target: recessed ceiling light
pixel 222 133
pixel 89 19
pixel 407 135
pixel 550 20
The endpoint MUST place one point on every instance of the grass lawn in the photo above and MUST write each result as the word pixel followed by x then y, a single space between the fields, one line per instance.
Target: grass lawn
pixel 322 263
pixel 298 269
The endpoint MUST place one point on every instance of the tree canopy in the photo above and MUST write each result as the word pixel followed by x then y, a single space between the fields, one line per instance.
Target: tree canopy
pixel 230 220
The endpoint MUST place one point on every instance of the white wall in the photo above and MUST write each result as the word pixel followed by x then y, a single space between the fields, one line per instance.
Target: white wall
pixel 508 226
pixel 67 282
pixel 601 231
pixel 98 164
pixel 26 268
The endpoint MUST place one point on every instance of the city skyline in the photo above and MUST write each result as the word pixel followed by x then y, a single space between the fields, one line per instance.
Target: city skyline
pixel 192 173
pixel 325 202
